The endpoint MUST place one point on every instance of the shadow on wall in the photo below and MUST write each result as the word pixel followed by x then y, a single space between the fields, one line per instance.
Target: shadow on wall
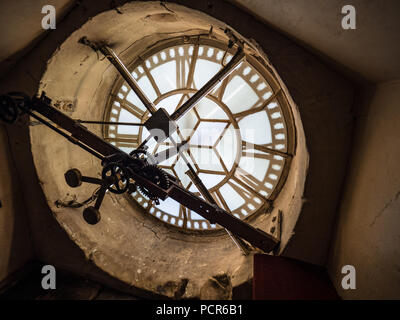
pixel 15 240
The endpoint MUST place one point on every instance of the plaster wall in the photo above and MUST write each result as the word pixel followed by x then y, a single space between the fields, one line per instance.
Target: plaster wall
pixel 15 241
pixel 371 50
pixel 367 234
pixel 21 26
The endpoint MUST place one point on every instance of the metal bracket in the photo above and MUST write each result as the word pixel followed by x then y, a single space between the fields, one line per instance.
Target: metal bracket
pixel 160 125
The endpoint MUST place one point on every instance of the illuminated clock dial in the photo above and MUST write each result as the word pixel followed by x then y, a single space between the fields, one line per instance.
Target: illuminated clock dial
pixel 239 136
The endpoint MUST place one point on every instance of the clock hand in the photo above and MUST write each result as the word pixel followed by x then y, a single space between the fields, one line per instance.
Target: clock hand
pixel 207 195
pixel 159 124
pixel 210 85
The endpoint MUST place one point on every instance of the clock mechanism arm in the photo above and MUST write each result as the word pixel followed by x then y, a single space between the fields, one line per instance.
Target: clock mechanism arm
pixel 123 71
pixel 191 173
pixel 161 125
pixel 124 172
pixel 207 195
pixel 210 85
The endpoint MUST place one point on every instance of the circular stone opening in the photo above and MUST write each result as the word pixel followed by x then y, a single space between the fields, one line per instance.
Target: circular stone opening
pixel 153 247
pixel 237 138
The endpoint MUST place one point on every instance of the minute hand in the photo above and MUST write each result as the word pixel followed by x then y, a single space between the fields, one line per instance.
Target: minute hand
pixel 189 104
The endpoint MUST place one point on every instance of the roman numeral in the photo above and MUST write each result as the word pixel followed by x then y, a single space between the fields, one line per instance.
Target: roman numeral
pixel 251 146
pixel 247 112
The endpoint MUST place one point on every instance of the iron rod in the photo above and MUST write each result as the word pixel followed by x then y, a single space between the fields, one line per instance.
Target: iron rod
pixel 220 76
pixel 207 195
pixel 123 70
pixel 68 137
pixel 111 123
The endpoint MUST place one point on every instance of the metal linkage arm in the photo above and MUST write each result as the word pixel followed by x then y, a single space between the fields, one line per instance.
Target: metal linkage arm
pixel 123 70
pixel 78 132
pixel 214 214
pixel 210 85
pixel 93 143
pixel 207 195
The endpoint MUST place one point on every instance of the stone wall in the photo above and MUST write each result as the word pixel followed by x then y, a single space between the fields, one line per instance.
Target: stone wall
pixel 367 234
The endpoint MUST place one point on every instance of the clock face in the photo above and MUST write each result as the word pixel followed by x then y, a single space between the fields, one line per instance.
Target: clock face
pixel 239 135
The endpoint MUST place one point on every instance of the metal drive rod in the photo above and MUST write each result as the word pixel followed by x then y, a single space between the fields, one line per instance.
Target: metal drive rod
pixel 214 214
pixel 207 195
pixel 91 180
pixel 220 76
pixel 118 64
pixel 111 123
pixel 69 138
pixel 78 132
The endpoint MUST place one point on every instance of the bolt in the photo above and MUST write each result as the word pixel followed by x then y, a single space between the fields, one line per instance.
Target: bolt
pixel 272 230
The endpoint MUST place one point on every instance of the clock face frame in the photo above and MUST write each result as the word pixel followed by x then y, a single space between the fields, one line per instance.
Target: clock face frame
pixel 240 136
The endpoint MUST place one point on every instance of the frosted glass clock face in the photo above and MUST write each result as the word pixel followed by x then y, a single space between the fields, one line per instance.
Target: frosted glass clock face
pixel 237 135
